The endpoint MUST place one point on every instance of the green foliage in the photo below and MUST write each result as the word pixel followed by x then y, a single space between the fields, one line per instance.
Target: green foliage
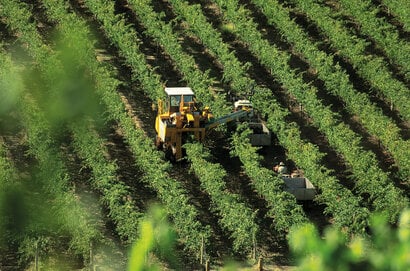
pixel 114 193
pixel 126 39
pixel 156 234
pixel 53 212
pixel 344 207
pixel 64 94
pixel 9 86
pixel 286 211
pixel 385 34
pixel 283 207
pixel 147 158
pixel 339 135
pixel 39 206
pixel 236 216
pixel 400 10
pixel 304 154
pixel 337 82
pixel 234 71
pixel 372 68
pixel 163 33
pixel 386 248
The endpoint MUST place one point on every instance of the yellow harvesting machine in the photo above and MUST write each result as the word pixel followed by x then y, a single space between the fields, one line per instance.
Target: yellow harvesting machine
pixel 180 117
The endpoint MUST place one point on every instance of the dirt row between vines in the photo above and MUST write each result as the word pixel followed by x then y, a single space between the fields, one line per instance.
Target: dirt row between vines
pixel 238 182
pixel 332 160
pixel 141 107
pixel 110 253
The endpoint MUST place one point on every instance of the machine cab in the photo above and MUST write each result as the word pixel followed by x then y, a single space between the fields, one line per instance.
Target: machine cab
pixel 178 120
pixel 180 99
pixel 243 105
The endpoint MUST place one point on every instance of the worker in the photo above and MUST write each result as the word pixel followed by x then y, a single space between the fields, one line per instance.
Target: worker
pixel 282 169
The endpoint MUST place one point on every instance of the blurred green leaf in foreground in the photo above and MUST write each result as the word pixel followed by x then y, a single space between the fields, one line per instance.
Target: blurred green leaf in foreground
pixel 386 248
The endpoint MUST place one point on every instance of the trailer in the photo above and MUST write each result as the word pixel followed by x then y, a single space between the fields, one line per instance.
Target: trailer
pixel 300 187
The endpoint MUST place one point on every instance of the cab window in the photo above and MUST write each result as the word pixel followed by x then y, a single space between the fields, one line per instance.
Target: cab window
pixel 175 100
pixel 188 98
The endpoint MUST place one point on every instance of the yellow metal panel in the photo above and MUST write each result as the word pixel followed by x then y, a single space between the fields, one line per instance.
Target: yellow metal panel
pixel 190 117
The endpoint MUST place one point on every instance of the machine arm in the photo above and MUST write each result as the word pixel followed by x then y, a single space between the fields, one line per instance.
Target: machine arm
pixel 228 118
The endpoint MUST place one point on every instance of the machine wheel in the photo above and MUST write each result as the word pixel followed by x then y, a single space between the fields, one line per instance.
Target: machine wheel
pixel 158 143
pixel 169 155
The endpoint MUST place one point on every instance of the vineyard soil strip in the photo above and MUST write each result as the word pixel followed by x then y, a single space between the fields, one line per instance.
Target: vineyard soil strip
pixel 370 178
pixel 372 68
pixel 146 157
pixel 337 82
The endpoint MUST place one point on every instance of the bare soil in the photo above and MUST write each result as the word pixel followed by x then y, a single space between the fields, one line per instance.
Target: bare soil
pixel 271 246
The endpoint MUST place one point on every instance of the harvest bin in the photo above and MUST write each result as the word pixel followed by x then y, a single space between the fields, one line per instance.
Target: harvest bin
pixel 300 187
